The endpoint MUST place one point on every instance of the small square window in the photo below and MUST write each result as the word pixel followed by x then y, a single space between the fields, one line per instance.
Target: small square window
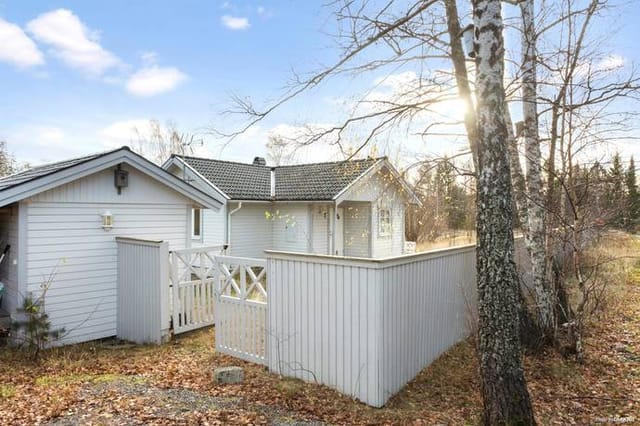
pixel 384 222
pixel 196 223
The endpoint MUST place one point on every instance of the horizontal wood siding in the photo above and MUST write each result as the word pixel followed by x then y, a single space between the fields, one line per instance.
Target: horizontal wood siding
pixel 290 227
pixel 213 228
pixel 320 231
pixel 8 269
pixel 251 230
pixel 143 291
pixel 389 245
pixel 66 242
pixel 357 229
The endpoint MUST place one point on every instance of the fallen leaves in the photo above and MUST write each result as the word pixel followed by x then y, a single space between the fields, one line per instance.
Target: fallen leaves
pixel 172 384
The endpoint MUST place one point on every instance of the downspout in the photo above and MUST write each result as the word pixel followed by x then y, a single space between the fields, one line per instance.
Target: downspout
pixel 229 224
pixel 334 250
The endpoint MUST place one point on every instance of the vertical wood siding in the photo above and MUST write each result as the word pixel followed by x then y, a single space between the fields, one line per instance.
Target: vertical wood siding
pixel 143 290
pixel 366 327
pixel 9 270
pixel 324 324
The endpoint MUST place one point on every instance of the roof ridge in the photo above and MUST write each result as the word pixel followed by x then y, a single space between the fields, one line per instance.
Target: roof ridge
pixel 219 161
pixel 283 166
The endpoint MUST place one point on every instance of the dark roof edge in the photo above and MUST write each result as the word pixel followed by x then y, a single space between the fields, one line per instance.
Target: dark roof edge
pixel 278 167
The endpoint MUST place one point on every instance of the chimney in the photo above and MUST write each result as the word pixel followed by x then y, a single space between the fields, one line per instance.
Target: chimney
pixel 259 161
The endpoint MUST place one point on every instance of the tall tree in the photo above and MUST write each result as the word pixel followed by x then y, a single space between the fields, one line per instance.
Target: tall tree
pixel 505 395
pixel 633 197
pixel 536 237
pixel 616 197
pixel 8 164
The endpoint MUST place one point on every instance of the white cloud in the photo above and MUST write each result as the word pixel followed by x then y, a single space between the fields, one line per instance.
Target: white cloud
pixel 235 22
pixel 154 80
pixel 125 132
pixel 51 134
pixel 610 63
pixel 17 48
pixel 72 42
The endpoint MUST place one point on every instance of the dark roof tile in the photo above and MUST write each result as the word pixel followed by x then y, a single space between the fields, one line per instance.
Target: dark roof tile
pixel 304 182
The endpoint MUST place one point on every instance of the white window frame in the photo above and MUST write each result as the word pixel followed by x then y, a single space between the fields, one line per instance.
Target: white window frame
pixel 385 225
pixel 195 236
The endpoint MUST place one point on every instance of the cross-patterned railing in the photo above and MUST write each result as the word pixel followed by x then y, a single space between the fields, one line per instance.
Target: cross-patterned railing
pixel 208 288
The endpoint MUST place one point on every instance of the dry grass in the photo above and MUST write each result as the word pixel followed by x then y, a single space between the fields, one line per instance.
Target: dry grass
pixel 606 385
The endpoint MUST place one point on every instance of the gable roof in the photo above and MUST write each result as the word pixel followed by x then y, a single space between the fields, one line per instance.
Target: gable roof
pixel 303 182
pixel 25 184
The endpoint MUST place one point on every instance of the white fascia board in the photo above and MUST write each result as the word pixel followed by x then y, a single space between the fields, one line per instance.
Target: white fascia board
pixel 370 172
pixel 89 167
pixel 179 162
pixel 374 168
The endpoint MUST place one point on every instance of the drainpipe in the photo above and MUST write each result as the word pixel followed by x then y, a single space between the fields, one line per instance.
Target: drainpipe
pixel 229 223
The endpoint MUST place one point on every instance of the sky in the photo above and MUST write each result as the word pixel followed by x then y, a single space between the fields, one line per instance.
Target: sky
pixel 78 77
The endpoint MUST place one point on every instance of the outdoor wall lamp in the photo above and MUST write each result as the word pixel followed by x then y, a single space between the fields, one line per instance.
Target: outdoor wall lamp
pixel 107 220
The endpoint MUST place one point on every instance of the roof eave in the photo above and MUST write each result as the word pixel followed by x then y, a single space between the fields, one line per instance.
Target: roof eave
pixel 123 155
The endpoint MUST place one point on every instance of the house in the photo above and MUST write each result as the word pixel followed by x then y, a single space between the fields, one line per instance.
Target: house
pixel 61 221
pixel 346 208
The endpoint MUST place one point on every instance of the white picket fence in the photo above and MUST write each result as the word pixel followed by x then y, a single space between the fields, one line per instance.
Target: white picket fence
pixel 209 288
pixel 241 310
pixel 193 274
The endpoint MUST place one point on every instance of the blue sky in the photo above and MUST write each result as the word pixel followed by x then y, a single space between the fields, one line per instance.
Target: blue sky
pixel 76 76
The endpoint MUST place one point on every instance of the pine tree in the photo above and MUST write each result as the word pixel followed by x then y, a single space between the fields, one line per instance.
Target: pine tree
pixel 616 199
pixel 633 197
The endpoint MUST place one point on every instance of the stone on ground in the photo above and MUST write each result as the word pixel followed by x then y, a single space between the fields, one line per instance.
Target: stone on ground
pixel 228 375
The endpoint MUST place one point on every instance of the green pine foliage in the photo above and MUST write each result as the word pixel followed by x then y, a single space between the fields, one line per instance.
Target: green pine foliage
pixel 34 330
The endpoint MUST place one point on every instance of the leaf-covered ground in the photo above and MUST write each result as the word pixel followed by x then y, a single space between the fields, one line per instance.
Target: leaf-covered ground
pixel 101 384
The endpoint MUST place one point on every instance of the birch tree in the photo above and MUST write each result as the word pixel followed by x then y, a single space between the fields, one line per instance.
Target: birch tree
pixel 505 395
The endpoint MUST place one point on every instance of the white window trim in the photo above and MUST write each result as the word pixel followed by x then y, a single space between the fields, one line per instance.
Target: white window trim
pixel 381 231
pixel 193 222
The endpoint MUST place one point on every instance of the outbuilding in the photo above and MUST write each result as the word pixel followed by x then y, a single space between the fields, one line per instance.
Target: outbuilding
pixel 59 223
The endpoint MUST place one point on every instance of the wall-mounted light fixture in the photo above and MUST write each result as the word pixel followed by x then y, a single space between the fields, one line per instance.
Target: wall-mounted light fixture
pixel 107 220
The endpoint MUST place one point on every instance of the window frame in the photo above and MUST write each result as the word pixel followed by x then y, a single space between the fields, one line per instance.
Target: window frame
pixel 195 236
pixel 385 227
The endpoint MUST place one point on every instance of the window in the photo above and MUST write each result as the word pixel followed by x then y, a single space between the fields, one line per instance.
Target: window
pixel 384 222
pixel 196 223
pixel 291 231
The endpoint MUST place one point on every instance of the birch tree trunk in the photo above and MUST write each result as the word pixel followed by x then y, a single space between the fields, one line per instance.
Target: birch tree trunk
pixel 545 304
pixel 504 390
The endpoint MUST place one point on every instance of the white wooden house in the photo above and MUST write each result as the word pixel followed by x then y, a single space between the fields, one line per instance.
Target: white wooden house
pixel 61 221
pixel 347 208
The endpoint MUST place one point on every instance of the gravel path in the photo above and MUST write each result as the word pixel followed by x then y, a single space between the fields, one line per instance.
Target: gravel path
pixel 132 401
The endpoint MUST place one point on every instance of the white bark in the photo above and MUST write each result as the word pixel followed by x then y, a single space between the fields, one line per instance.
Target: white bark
pixel 504 390
pixel 536 210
